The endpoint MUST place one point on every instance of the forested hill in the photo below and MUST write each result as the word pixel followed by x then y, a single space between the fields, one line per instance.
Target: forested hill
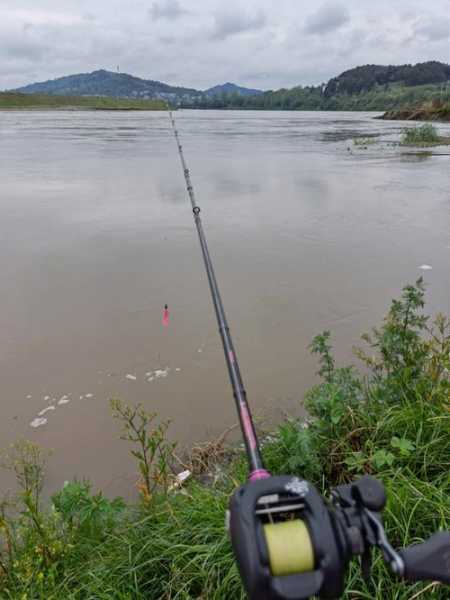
pixel 369 87
pixel 365 78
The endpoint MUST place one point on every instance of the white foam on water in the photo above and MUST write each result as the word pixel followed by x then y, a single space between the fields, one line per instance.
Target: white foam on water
pixel 64 401
pixel 178 369
pixel 81 397
pixel 38 422
pixel 149 373
pixel 44 410
pixel 89 395
pixel 150 379
pixel 132 377
pixel 162 372
pixel 47 398
pixel 29 396
pixel 425 267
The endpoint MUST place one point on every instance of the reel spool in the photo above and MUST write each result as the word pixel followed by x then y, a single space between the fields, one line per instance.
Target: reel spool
pixel 295 556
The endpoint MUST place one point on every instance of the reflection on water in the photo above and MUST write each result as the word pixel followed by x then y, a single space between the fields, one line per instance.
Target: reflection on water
pixel 307 233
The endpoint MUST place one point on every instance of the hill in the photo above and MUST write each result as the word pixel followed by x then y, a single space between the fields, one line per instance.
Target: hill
pixel 368 87
pixel 367 77
pixel 107 83
pixel 122 85
pixel 231 88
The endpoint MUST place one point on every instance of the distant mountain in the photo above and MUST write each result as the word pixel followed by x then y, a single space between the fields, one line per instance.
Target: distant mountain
pixel 368 87
pixel 122 85
pixel 367 77
pixel 107 83
pixel 231 88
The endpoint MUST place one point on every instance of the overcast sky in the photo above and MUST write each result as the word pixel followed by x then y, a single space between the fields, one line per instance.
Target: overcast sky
pixel 198 43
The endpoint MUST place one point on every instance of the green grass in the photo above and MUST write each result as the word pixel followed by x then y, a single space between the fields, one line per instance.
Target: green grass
pixel 390 419
pixel 364 141
pixel 12 100
pixel 423 136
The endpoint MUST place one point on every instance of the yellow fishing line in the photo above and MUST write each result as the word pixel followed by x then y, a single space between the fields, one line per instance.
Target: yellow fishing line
pixel 290 548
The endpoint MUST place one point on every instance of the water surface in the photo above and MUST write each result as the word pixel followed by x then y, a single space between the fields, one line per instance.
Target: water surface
pixel 307 233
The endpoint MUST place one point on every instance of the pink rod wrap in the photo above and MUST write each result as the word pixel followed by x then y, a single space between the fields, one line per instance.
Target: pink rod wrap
pixel 259 474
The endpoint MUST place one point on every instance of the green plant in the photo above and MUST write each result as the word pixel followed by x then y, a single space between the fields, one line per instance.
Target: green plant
pixel 85 513
pixel 420 135
pixel 154 452
pixel 363 141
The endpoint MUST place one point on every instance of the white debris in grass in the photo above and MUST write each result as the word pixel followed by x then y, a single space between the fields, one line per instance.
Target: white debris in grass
pixel 89 395
pixel 150 379
pixel 47 398
pixel 44 410
pixel 29 396
pixel 64 400
pixel 180 479
pixel 81 397
pixel 132 377
pixel 149 373
pixel 38 422
pixel 425 267
pixel 178 369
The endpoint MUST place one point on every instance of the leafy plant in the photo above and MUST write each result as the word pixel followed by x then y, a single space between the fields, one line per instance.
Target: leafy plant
pixel 363 141
pixel 154 452
pixel 82 511
pixel 421 135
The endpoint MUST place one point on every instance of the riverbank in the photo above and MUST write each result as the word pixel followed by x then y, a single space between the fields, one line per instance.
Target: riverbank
pixel 428 111
pixel 16 101
pixel 390 420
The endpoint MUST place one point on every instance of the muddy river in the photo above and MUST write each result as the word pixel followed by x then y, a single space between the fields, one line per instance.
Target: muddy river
pixel 308 232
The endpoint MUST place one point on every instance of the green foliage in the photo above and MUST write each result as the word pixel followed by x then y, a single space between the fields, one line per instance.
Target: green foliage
pixel 384 97
pixel 363 141
pixel 84 513
pixel 422 135
pixel 15 100
pixel 153 452
pixel 367 77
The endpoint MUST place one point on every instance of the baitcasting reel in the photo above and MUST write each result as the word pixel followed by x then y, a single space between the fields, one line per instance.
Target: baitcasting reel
pixel 291 545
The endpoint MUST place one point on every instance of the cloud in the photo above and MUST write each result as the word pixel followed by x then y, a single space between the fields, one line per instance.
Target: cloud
pixel 199 43
pixel 329 17
pixel 230 23
pixel 434 30
pixel 167 9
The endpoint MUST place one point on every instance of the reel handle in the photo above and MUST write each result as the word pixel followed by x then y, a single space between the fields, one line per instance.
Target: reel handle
pixel 429 560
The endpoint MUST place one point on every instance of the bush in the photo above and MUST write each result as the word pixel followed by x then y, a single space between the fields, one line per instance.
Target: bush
pixel 420 136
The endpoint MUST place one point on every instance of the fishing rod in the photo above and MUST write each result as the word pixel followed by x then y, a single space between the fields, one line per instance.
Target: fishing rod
pixel 288 541
pixel 257 470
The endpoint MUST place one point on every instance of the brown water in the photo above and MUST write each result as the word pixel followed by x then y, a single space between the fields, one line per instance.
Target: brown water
pixel 97 235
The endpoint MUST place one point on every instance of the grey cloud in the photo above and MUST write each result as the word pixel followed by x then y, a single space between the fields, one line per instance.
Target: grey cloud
pixel 227 24
pixel 434 30
pixel 198 43
pixel 167 9
pixel 329 17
